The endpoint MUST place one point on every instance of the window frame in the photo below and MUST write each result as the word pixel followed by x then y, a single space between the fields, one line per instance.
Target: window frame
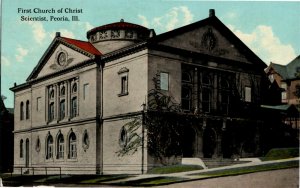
pixel 49 147
pixel 72 146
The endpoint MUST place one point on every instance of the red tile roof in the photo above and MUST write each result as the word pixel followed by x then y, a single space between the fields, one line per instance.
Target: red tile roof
pixel 86 46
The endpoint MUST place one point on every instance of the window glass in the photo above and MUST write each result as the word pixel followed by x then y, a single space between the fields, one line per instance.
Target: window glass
pixel 72 146
pixel 248 94
pixel 62 109
pixel 21 148
pixel 49 152
pixel 164 81
pixel 60 147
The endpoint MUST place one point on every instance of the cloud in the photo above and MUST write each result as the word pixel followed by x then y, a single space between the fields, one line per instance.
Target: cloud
pixel 264 42
pixel 5 61
pixel 21 53
pixel 144 20
pixel 175 17
pixel 38 30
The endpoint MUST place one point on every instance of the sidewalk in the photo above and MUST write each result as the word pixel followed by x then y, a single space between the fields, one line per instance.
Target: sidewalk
pixel 188 175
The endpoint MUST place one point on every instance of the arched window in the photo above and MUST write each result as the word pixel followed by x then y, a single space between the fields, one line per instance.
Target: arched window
pixel 60 146
pixel 49 147
pixel 186 77
pixel 74 107
pixel 21 148
pixel 225 95
pixel 51 94
pixel 72 146
pixel 186 98
pixel 21 111
pixel 62 109
pixel 63 91
pixel 27 109
pixel 206 93
pixel 74 88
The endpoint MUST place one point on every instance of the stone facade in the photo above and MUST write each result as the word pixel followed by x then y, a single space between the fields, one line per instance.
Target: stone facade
pixel 72 111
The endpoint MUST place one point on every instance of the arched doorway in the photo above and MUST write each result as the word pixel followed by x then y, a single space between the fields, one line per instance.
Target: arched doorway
pixel 188 146
pixel 27 153
pixel 209 142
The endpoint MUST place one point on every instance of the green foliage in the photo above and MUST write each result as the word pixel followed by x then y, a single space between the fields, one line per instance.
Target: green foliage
pixel 173 169
pixel 134 140
pixel 250 169
pixel 281 153
pixel 164 124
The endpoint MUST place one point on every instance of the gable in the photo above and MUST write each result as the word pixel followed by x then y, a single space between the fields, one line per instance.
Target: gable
pixel 206 40
pixel 209 37
pixel 62 54
pixel 71 57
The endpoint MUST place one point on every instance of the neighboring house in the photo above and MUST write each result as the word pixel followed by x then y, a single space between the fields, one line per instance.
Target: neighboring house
pixel 72 110
pixel 284 79
pixel 6 138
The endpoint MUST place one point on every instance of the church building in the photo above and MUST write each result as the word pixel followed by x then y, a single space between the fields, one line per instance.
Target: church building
pixel 70 112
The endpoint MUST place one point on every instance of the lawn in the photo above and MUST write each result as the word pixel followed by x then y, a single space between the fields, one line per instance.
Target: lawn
pixel 174 169
pixel 281 153
pixel 249 169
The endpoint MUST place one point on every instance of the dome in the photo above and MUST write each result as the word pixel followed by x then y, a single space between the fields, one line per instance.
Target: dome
pixel 107 38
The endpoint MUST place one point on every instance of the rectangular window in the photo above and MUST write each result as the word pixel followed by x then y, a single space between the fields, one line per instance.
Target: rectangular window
pixel 38 104
pixel 85 91
pixel 124 85
pixel 248 94
pixel 164 81
pixel 283 94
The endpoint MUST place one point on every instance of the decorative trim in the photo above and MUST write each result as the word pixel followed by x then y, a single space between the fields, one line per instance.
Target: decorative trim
pixel 123 70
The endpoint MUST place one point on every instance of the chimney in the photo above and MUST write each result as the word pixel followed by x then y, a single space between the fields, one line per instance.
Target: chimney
pixel 211 12
pixel 57 34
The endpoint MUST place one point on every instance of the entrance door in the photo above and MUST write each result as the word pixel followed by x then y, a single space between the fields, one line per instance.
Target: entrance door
pixel 27 153
pixel 189 142
pixel 209 142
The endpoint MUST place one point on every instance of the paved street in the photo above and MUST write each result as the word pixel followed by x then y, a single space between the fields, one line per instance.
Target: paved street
pixel 287 178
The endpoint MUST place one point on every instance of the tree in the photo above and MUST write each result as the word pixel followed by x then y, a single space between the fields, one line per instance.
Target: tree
pixel 163 122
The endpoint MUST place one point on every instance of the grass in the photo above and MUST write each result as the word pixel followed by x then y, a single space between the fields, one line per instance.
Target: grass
pixel 174 169
pixel 29 180
pixel 250 169
pixel 281 153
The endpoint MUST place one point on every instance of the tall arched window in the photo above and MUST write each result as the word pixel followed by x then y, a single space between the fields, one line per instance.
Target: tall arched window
pixel 27 109
pixel 72 146
pixel 49 147
pixel 60 146
pixel 206 93
pixel 21 111
pixel 186 91
pixel 225 95
pixel 21 149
